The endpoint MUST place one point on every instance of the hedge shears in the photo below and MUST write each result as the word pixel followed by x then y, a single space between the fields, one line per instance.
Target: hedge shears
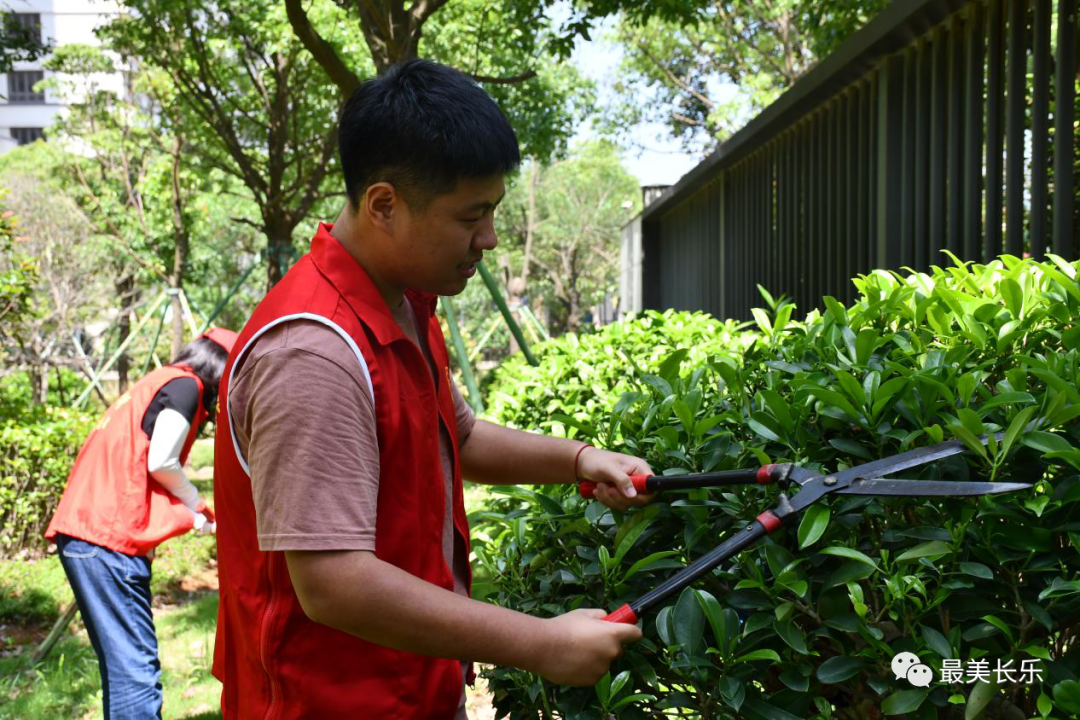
pixel 866 479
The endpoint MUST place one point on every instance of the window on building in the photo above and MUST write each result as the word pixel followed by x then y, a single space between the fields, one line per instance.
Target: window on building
pixel 27 135
pixel 21 86
pixel 31 22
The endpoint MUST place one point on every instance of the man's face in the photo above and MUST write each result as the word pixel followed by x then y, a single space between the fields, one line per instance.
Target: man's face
pixel 438 247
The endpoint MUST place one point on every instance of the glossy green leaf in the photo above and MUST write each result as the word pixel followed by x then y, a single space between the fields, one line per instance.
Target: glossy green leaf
pixel 714 613
pixel 934 548
pixel 977 569
pixel 903 701
pixel 838 669
pixel 980 696
pixel 936 641
pixel 646 562
pixel 850 553
pixel 756 655
pixel 813 524
pixel 689 621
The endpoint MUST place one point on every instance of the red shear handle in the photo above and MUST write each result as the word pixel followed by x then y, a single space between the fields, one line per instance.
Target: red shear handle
pixel 588 488
pixel 202 508
pixel 625 614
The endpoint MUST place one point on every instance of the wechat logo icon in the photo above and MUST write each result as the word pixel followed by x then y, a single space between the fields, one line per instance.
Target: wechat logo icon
pixel 907 666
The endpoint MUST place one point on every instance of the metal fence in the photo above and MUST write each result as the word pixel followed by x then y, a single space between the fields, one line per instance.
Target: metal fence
pixel 941 125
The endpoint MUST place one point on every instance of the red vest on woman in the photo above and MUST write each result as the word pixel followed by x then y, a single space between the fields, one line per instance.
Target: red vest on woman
pixel 110 498
pixel 274 662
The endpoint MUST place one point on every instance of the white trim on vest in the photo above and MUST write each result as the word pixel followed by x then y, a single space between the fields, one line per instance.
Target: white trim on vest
pixel 287 318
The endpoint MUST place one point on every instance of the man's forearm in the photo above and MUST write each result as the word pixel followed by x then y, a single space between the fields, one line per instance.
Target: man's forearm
pixel 359 594
pixel 497 455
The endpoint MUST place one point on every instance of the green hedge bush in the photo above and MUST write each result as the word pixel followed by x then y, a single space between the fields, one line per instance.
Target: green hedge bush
pixel 806 624
pixel 37 450
pixel 583 375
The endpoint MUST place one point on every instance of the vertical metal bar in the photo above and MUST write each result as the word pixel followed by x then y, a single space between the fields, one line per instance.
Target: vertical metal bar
pixel 995 141
pixel 821 258
pixel 973 120
pixel 725 238
pixel 801 296
pixel 748 241
pixel 837 187
pixel 746 215
pixel 778 254
pixel 766 260
pixel 790 235
pixel 753 252
pixel 1014 130
pixel 737 243
pixel 1064 93
pixel 955 146
pixel 873 151
pixel 832 134
pixel 731 270
pixel 938 127
pixel 919 180
pixel 778 261
pixel 1040 127
pixel 851 169
pixel 907 163
pixel 841 261
pixel 773 254
pixel 862 157
pixel 812 169
pixel 760 252
pixel 889 120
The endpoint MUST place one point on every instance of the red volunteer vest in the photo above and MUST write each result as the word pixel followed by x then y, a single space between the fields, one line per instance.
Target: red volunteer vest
pixel 274 662
pixel 110 498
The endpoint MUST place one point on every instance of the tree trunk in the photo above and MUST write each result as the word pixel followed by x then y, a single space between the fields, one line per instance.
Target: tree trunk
pixel 391 33
pixel 177 324
pixel 278 247
pixel 573 314
pixel 181 250
pixel 530 223
pixel 36 395
pixel 513 295
pixel 125 289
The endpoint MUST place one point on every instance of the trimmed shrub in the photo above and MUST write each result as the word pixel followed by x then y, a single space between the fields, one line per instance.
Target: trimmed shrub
pixel 584 375
pixel 805 625
pixel 37 451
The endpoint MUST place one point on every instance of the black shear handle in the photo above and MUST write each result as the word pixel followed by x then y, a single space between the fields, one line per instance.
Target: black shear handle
pixel 764 524
pixel 763 475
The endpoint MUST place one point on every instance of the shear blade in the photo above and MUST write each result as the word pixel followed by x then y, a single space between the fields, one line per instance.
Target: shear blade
pixel 914 488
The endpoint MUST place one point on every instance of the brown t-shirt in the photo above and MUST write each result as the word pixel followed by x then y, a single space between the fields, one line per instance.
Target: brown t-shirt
pixel 305 422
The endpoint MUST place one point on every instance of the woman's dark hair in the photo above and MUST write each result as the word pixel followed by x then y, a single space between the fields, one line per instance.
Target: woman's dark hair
pixel 206 358
pixel 422 126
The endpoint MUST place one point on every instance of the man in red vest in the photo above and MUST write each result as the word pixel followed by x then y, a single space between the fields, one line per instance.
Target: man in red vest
pixel 343 544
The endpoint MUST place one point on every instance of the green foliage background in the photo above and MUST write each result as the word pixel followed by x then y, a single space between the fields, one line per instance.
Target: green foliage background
pixel 805 625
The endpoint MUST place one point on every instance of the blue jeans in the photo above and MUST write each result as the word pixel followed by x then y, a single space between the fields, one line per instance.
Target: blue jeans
pixel 113 593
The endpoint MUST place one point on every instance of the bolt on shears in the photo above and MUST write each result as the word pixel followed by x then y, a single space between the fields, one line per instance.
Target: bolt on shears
pixel 865 479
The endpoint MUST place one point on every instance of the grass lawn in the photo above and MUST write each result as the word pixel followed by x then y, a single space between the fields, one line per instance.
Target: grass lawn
pixel 34 592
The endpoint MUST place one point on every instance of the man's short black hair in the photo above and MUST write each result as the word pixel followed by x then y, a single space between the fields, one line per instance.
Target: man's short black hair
pixel 421 126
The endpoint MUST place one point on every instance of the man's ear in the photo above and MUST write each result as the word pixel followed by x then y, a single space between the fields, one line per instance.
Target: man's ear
pixel 381 203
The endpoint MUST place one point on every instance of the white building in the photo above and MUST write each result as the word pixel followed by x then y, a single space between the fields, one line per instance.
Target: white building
pixel 24 114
